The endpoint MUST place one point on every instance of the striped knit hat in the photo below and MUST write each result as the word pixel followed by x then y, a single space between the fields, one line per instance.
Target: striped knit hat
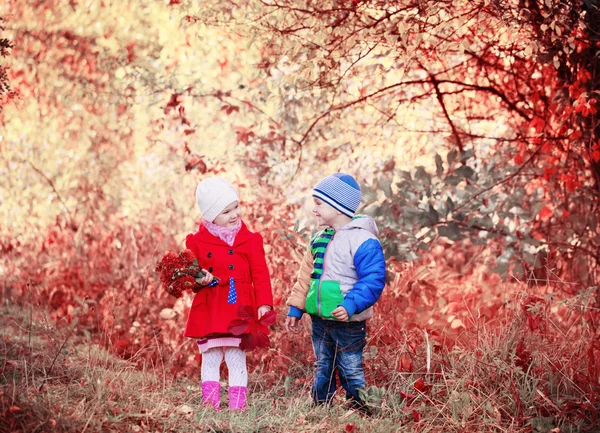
pixel 341 191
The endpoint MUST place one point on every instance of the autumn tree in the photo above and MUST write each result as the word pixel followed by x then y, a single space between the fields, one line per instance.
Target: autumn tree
pixel 471 125
pixel 505 91
pixel 122 108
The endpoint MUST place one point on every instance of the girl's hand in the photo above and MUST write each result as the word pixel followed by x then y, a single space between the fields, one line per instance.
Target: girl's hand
pixel 291 323
pixel 206 280
pixel 340 313
pixel 262 310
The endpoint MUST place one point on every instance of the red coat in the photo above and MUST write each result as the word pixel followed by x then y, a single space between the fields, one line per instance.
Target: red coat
pixel 245 262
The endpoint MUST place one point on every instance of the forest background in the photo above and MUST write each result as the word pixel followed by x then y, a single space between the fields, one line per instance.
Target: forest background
pixel 471 125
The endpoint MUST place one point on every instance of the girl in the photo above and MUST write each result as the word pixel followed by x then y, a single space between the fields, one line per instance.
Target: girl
pixel 228 250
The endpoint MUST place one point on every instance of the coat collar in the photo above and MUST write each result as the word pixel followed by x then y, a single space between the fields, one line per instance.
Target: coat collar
pixel 205 236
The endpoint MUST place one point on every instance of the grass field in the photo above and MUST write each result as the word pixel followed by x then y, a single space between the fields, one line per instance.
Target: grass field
pixel 55 379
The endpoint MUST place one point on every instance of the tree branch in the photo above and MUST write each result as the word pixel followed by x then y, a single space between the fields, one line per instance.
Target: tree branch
pixel 41 173
pixel 502 181
pixel 440 99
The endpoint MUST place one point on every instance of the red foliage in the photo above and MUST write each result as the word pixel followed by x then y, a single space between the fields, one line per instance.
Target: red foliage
pixel 523 356
pixel 419 385
pixel 254 332
pixel 408 397
pixel 179 272
pixel 116 282
pixel 533 307
pixel 594 362
pixel 174 101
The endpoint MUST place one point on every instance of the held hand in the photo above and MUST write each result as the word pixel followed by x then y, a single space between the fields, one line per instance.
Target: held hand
pixel 262 310
pixel 340 313
pixel 206 280
pixel 291 323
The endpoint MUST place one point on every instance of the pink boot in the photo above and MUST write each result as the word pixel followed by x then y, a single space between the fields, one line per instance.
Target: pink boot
pixel 237 397
pixel 211 394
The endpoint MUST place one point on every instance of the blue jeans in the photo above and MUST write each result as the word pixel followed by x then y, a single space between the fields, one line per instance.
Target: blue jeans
pixel 338 345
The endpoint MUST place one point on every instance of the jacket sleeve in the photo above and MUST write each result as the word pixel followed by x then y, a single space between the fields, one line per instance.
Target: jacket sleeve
pixel 260 273
pixel 370 269
pixel 297 300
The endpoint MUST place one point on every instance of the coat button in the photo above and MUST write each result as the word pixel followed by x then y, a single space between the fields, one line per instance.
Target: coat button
pixel 209 255
pixel 210 269
pixel 231 267
pixel 230 252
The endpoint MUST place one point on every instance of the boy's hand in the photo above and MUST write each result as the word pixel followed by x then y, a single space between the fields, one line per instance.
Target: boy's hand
pixel 206 280
pixel 340 313
pixel 262 310
pixel 291 323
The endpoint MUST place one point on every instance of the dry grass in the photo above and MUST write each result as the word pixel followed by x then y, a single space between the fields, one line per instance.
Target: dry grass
pixel 53 379
pixel 88 389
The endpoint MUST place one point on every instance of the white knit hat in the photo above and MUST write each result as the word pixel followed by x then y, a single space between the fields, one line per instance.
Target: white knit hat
pixel 213 195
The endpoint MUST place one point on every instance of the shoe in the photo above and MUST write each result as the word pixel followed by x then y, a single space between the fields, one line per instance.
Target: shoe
pixel 359 406
pixel 211 394
pixel 237 397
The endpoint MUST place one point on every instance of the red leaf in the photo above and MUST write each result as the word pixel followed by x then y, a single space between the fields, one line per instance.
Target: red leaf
pixel 523 356
pixel 254 332
pixel 244 135
pixel 404 364
pixel 538 124
pixel 349 428
pixel 246 312
pixel 583 75
pixel 594 361
pixel 416 415
pixel 420 385
pixel 268 318
pixel 262 340
pixel 248 343
pixel 120 344
pixel 130 51
pixel 545 213
pixel 407 396
pixel 575 135
pixel 197 163
pixel 173 102
pixel 238 327
pixel 519 158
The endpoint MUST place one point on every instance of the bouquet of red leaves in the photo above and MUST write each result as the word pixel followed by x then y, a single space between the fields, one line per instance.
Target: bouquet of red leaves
pixel 181 272
pixel 254 332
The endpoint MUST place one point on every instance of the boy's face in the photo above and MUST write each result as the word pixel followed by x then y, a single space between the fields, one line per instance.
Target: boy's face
pixel 230 215
pixel 325 213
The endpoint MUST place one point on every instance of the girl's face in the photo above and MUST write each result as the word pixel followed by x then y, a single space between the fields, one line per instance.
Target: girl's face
pixel 325 213
pixel 230 215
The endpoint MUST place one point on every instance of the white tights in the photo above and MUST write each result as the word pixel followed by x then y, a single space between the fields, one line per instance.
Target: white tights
pixel 235 359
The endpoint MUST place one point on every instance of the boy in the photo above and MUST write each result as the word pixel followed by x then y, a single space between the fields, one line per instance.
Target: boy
pixel 341 276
